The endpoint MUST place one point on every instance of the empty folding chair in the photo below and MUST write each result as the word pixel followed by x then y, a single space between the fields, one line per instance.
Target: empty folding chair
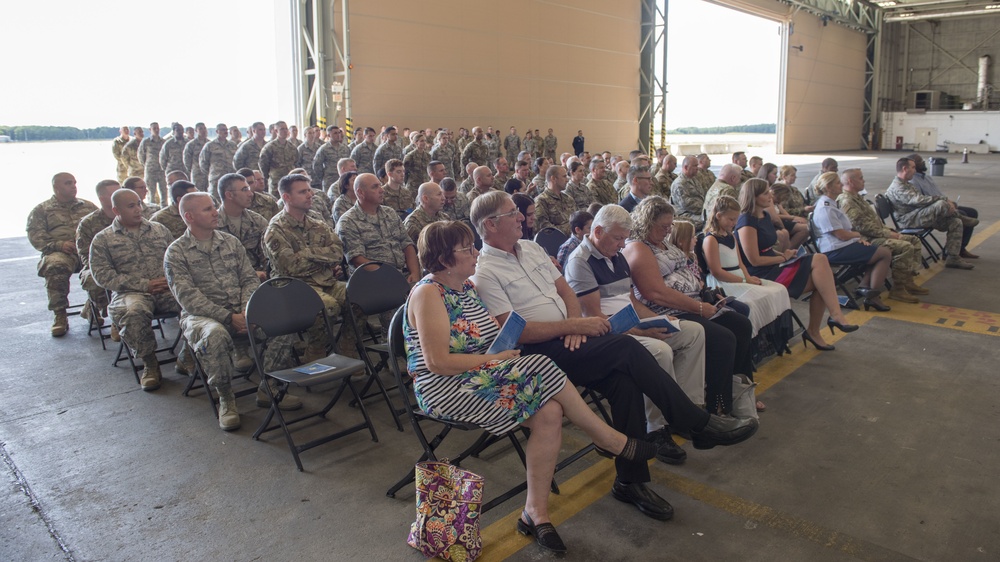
pixel 550 239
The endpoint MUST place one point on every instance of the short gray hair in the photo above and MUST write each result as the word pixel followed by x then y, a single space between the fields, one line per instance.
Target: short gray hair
pixel 613 215
pixel 633 170
pixel 486 206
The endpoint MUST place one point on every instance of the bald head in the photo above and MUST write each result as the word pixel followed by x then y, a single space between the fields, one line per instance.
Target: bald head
pixel 731 174
pixel 428 188
pixel 190 201
pixel 482 177
pixel 122 197
pixel 690 166
pixel 431 197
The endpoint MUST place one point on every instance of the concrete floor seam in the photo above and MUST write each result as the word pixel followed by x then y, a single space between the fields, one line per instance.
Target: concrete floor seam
pixel 33 502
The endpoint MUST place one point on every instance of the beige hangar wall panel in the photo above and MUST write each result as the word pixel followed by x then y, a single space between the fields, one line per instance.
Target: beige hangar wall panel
pixel 564 64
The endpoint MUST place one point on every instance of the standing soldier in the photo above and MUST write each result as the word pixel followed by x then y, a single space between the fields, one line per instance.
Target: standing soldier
pixel 277 158
pixel 324 164
pixel 172 153
pixel 216 158
pixel 130 154
pixel 388 150
pixel 294 136
pixel 463 140
pixel 531 144
pixel 512 144
pixel 248 153
pixel 149 157
pixel 549 146
pixel 116 149
pixel 88 228
pixel 444 152
pixel 191 152
pixel 416 163
pixel 476 151
pixel 307 153
pixel 492 149
pixel 364 152
pixel 52 231
pixel 578 142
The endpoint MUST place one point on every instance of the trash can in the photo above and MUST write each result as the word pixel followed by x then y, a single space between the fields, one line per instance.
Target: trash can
pixel 937 166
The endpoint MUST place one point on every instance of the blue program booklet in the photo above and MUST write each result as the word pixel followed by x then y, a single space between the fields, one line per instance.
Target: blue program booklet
pixel 624 320
pixel 672 326
pixel 314 369
pixel 798 255
pixel 509 334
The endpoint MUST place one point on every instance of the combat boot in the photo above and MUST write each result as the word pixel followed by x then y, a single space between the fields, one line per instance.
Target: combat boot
pixel 900 294
pixel 60 325
pixel 288 402
pixel 229 416
pixel 915 289
pixel 955 262
pixel 150 379
pixel 114 334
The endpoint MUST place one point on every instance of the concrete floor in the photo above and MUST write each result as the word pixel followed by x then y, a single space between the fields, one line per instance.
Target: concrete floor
pixel 882 450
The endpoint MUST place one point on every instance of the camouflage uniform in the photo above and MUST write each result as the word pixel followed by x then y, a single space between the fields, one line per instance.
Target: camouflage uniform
pixel 308 250
pixel 340 206
pixel 461 143
pixel 621 186
pixel 49 225
pixel 170 217
pixel 415 164
pixel 277 158
pixel 914 210
pixel 364 155
pixel 210 287
pixel 906 250
pixel 192 150
pixel 552 210
pixel 156 179
pixel 385 152
pixel 512 144
pixel 474 192
pixel 746 174
pixel 458 209
pixel 718 189
pixel 305 155
pixel 295 142
pixel 537 186
pixel 123 262
pixel 324 164
pixel 130 155
pixel 531 146
pixel 687 198
pixel 580 195
pixel 121 166
pixel 796 204
pixel 706 178
pixel 499 181
pixel 216 160
pixel 149 209
pixel 467 186
pixel 476 152
pixel 379 237
pixel 88 228
pixel 172 155
pixel 401 200
pixel 492 153
pixel 249 230
pixel 662 183
pixel 418 219
pixel 248 155
pixel 603 192
pixel 549 144
pixel 264 205
pixel 446 155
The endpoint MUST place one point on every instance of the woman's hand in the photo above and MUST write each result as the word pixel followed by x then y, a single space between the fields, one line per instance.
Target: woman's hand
pixel 505 355
pixel 754 280
pixel 789 254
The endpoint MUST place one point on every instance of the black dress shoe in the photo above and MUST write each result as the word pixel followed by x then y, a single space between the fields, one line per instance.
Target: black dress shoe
pixel 666 449
pixel 724 430
pixel 639 495
pixel 545 534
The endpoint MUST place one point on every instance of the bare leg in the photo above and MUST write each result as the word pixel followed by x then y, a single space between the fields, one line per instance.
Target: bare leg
pixel 800 233
pixel 821 282
pixel 880 264
pixel 541 453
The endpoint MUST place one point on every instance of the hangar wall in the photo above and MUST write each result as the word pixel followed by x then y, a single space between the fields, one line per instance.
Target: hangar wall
pixel 564 64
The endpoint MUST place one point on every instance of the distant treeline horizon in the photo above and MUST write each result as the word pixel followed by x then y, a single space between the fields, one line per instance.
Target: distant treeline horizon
pixel 29 133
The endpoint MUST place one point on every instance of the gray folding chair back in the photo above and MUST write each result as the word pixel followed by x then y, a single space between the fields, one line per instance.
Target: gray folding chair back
pixel 550 239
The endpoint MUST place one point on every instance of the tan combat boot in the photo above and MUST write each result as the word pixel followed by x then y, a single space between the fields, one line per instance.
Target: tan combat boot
pixel 60 325
pixel 288 402
pixel 898 293
pixel 915 289
pixel 150 379
pixel 114 334
pixel 229 416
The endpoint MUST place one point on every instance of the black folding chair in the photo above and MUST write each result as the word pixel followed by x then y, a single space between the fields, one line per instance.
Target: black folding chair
pixel 374 289
pixel 550 239
pixel 283 307
pixel 126 352
pixel 198 379
pixel 416 416
pixel 885 210
pixel 93 326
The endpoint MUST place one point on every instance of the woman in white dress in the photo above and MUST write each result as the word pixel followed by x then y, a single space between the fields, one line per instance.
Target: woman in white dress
pixel 766 299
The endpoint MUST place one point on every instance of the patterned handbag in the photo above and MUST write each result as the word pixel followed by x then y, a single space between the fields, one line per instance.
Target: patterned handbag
pixel 449 500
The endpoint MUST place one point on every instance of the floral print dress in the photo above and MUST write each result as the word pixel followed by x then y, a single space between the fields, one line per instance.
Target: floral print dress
pixel 498 395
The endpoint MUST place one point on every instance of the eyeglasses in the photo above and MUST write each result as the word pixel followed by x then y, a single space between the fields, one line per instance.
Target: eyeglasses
pixel 513 213
pixel 246 188
pixel 470 249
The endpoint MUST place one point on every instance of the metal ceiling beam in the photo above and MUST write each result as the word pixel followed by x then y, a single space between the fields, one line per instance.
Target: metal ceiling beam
pixel 907 6
pixel 652 85
pixel 314 37
pixel 859 15
pixel 940 15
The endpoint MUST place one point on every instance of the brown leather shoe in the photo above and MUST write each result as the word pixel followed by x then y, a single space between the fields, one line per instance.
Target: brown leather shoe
pixel 965 254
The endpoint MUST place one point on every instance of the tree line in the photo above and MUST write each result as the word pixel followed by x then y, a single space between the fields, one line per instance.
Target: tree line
pixel 22 133
pixel 768 128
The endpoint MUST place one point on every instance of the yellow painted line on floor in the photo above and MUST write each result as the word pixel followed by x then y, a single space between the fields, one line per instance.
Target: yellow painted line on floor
pixel 941 316
pixel 977 239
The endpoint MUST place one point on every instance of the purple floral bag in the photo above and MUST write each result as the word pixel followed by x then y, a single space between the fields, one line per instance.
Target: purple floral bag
pixel 449 500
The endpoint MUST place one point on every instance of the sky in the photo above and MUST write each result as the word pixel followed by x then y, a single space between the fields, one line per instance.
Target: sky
pixel 133 55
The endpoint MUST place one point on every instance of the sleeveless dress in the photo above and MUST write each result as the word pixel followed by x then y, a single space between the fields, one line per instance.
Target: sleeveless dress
pixel 498 395
pixel 794 276
pixel 679 272
pixel 766 301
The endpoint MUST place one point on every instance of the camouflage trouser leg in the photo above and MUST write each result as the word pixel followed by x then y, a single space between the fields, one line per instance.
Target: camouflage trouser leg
pixel 133 314
pixel 56 268
pixel 213 346
pixel 200 180
pixel 122 173
pixel 333 299
pixel 936 216
pixel 156 182
pixel 95 292
pixel 906 254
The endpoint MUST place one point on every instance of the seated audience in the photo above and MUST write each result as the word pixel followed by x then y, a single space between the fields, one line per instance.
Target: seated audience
pixel 580 222
pixel 526 207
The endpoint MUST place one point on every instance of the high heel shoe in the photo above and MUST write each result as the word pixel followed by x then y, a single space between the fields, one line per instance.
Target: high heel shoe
pixel 634 450
pixel 807 338
pixel 545 533
pixel 846 328
pixel 873 301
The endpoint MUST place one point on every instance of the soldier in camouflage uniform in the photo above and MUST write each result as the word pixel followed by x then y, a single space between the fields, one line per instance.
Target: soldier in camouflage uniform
pixel 277 158
pixel 575 188
pixel 796 203
pixel 502 168
pixel 372 231
pixel 726 184
pixel 262 203
pixel 149 157
pixel 248 153
pixel 324 164
pixel 476 151
pixel 172 153
pixel 127 259
pixel 492 150
pixel 236 218
pixel 482 181
pixel 463 140
pixel 512 145
pixel 549 145
pixel 138 185
pixel 364 152
pixel 531 144
pixel 444 151
pixel 661 157
pixel 192 150
pixel 170 215
pixel 396 194
pixel 705 175
pixel 906 249
pixel 601 190
pixel 621 179
pixel 469 183
pixel 915 210
pixel 456 205
pixel 301 246
pixel 740 159
pixel 388 150
pixel 665 176
pixel 430 200
pixel 211 278
pixel 415 164
pixel 216 159
pixel 307 155
pixel 686 194
pixel 553 207
pixel 89 226
pixel 116 149
pixel 130 154
pixel 293 138
pixel 52 231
